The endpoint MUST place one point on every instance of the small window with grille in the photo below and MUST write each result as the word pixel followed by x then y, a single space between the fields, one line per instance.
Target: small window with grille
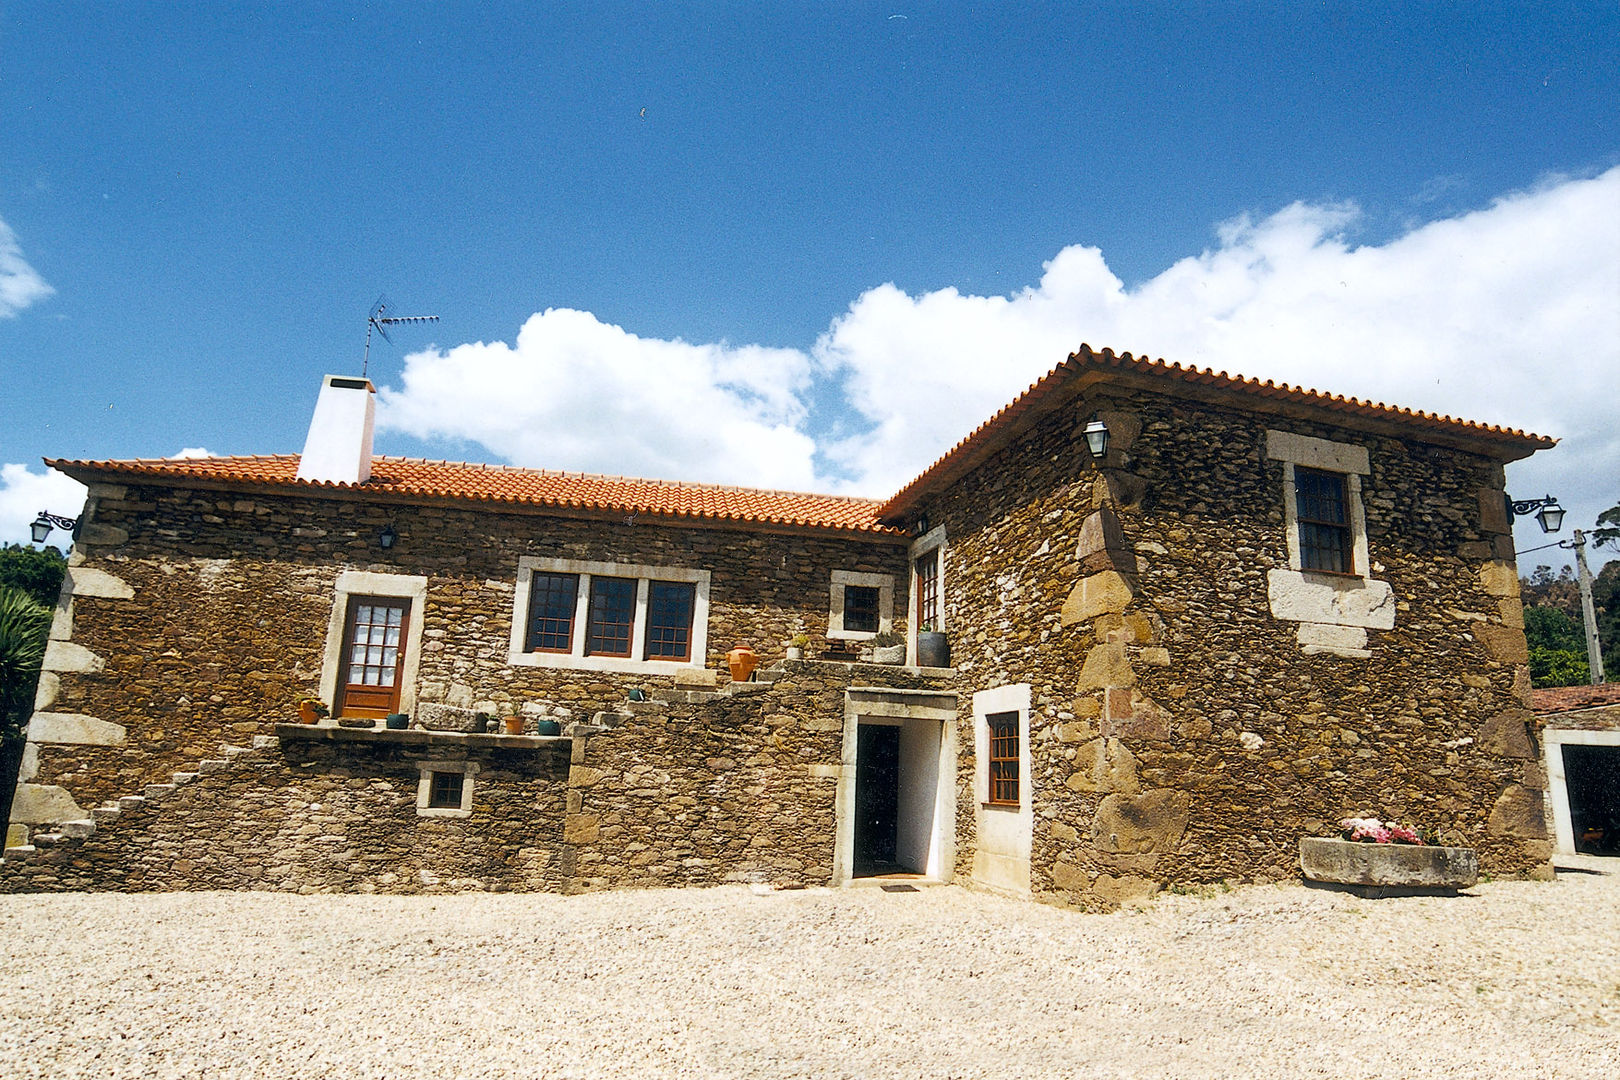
pixel 1003 746
pixel 444 790
pixel 1323 510
pixel 861 608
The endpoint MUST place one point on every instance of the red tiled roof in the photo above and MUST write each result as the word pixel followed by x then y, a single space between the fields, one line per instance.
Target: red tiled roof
pixel 1559 699
pixel 1085 367
pixel 418 478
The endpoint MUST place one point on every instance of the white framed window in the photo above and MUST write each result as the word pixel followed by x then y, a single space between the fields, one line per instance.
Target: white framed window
pixel 446 789
pixel 862 606
pixel 596 616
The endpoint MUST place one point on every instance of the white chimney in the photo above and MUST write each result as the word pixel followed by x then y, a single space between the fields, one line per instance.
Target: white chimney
pixel 338 449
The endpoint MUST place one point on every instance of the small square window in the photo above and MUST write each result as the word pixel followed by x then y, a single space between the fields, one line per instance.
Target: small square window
pixel 444 791
pixel 861 613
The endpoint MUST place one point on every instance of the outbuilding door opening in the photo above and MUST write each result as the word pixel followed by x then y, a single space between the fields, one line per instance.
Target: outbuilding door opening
pixel 877 799
pixel 897 784
pixel 1592 781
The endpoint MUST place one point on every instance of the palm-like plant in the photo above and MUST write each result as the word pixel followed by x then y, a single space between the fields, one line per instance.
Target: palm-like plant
pixel 25 626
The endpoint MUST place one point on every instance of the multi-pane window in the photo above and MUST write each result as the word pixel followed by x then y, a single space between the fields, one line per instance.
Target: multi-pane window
pixel 1322 508
pixel 1003 745
pixel 861 612
pixel 444 791
pixel 571 613
pixel 669 620
pixel 612 617
pixel 552 600
pixel 927 572
pixel 375 641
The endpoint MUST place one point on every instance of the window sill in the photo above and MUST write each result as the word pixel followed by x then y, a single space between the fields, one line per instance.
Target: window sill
pixel 421 737
pixel 1337 575
pixel 441 812
pixel 620 664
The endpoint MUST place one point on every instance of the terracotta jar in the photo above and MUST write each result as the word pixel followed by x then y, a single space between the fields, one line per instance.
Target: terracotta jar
pixel 514 725
pixel 742 662
pixel 306 712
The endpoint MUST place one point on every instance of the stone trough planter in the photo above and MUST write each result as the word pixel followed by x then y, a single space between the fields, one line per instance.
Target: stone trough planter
pixel 1388 869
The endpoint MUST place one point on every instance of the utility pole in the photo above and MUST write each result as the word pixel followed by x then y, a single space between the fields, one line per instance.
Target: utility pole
pixel 1594 654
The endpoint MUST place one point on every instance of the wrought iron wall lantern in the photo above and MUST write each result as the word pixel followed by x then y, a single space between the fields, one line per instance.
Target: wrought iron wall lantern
pixel 41 526
pixel 1549 515
pixel 1096 436
pixel 387 537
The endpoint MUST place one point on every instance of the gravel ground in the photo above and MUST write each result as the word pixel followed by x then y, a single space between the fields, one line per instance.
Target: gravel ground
pixel 1515 979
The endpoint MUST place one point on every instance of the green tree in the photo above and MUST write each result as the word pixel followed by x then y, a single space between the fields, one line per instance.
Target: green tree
pixel 36 572
pixel 1557 648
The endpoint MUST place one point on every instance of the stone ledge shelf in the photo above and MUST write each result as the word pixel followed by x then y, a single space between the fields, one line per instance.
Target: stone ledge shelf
pixel 1388 869
pixel 423 737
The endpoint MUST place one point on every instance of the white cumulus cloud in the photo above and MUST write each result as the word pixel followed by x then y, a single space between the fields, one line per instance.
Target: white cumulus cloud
pixel 578 394
pixel 20 284
pixel 1507 314
pixel 24 493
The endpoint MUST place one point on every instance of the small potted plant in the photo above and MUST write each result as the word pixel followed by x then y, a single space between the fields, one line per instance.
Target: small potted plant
pixel 888 648
pixel 796 645
pixel 312 709
pixel 514 724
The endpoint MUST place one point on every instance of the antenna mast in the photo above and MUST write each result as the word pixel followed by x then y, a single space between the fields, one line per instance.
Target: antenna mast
pixel 379 320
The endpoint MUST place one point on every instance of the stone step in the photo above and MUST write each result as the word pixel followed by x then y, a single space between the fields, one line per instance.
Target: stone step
pixel 261 742
pixel 184 777
pixel 131 802
pixel 233 751
pixel 46 839
pixel 742 689
pixel 212 765
pixel 614 719
pixel 106 815
pixel 78 830
pixel 154 792
pixel 642 708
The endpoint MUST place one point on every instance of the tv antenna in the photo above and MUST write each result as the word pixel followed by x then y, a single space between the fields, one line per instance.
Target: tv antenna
pixel 379 320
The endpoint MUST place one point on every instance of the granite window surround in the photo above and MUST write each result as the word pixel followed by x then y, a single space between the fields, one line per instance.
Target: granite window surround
pixel 578 657
pixel 425 789
pixel 842 580
pixel 1334 610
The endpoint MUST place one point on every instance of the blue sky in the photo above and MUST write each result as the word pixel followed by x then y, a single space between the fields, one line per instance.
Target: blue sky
pixel 792 245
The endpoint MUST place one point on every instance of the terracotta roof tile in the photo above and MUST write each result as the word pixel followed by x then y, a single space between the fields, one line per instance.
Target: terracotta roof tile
pixel 1105 366
pixel 419 478
pixel 1559 699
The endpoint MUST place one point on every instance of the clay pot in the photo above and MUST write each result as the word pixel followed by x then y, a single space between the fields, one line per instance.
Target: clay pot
pixel 742 661
pixel 306 713
pixel 514 725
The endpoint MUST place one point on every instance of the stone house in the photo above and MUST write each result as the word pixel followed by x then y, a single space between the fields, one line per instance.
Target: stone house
pixel 1258 610
pixel 1580 738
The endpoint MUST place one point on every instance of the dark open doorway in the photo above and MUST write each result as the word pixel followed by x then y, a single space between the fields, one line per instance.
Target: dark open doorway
pixel 877 799
pixel 1592 780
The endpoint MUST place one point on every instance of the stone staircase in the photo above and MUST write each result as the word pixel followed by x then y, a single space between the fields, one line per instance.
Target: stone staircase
pixel 152 794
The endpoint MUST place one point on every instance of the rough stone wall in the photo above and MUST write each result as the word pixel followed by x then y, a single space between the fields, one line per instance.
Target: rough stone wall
pixel 298 816
pixel 203 615
pixel 741 788
pixel 696 789
pixel 1180 732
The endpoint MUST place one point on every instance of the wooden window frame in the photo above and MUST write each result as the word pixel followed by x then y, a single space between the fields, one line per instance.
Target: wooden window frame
pixel 870 611
pixel 1310 526
pixel 623 590
pixel 442 794
pixel 682 631
pixel 1003 752
pixel 650 646
pixel 535 597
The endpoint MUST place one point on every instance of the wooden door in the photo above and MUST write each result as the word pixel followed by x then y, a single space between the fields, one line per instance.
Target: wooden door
pixel 373 656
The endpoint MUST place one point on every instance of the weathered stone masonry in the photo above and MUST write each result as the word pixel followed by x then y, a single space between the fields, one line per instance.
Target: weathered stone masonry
pixel 1180 730
pixel 1190 699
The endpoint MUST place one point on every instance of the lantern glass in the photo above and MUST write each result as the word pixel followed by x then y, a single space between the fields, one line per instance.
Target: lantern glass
pixel 40 528
pixel 1096 436
pixel 387 537
pixel 1550 517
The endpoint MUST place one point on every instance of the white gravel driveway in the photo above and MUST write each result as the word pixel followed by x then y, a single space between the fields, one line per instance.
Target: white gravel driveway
pixel 1517 979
